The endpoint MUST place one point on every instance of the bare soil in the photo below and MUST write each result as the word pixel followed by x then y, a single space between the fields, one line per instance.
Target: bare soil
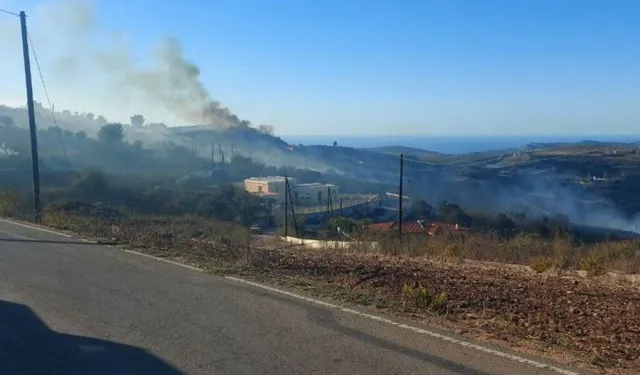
pixel 593 321
pixel 590 322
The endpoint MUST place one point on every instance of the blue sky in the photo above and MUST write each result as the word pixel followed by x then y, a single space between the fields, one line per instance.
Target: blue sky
pixel 421 67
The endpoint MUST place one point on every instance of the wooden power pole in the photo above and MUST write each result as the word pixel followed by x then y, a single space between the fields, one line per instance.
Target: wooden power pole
pixel 400 197
pixel 32 120
pixel 286 206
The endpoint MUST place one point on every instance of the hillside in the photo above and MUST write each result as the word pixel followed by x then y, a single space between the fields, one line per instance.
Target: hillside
pixel 397 150
pixel 593 183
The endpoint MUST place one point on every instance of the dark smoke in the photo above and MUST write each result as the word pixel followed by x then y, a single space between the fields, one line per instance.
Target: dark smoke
pixel 175 84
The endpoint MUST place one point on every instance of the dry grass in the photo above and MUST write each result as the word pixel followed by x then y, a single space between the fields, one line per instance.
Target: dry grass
pixel 14 204
pixel 594 322
pixel 541 265
pixel 542 254
pixel 194 239
pixel 591 321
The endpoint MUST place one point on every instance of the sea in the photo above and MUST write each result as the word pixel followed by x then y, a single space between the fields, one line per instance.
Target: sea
pixel 451 144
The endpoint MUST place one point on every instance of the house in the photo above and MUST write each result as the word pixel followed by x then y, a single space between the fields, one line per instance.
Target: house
pixel 271 187
pixel 307 194
pixel 417 227
pixel 314 193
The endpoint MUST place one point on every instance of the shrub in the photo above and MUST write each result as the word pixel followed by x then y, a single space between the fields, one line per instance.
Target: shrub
pixel 541 264
pixel 418 296
pixel 440 302
pixel 14 204
pixel 593 263
pixel 450 251
pixel 564 251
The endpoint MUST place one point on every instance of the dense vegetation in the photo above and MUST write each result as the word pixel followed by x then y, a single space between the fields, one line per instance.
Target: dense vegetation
pixel 111 167
pixel 90 189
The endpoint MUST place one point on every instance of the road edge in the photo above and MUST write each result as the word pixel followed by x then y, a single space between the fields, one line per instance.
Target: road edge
pixel 432 334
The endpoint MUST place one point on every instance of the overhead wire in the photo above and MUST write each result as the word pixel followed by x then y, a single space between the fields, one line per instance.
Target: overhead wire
pixel 9 12
pixel 46 93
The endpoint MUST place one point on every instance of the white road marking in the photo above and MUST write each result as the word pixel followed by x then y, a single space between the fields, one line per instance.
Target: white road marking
pixel 36 228
pixel 15 235
pixel 345 309
pixel 377 318
pixel 408 327
pixel 165 260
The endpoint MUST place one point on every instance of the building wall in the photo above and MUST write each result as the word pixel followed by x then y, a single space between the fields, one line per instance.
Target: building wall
pixel 276 188
pixel 316 194
pixel 256 186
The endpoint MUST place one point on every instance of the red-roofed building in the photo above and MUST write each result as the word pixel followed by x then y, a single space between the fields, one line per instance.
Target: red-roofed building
pixel 381 227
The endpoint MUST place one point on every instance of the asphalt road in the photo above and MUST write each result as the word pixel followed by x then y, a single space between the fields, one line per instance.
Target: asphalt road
pixel 71 307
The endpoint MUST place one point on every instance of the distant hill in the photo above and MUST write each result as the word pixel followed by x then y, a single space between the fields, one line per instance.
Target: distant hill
pixel 396 150
pixel 572 144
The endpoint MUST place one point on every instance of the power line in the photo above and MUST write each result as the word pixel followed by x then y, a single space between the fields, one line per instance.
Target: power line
pixel 417 161
pixel 8 12
pixel 46 93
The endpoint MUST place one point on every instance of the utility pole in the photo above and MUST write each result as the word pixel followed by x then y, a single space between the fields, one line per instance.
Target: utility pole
pixel 341 208
pixel 32 119
pixel 231 160
pixel 400 197
pixel 213 160
pixel 293 211
pixel 331 204
pixel 328 197
pixel 286 206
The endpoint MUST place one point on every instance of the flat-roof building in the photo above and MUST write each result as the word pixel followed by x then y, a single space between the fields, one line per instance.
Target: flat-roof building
pixel 273 187
pixel 267 187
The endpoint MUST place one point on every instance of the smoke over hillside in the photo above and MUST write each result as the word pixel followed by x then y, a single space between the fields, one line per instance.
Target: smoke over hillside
pixel 172 82
pixel 79 50
pixel 68 33
pixel 530 192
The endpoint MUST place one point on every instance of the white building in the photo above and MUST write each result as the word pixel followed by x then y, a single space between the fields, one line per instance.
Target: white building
pixel 309 194
pixel 315 193
pixel 268 187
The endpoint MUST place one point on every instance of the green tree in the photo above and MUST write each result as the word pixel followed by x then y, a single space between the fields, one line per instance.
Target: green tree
pixel 91 185
pixel 101 119
pixel 7 120
pixel 137 120
pixel 111 133
pixel 419 210
pixel 505 225
pixel 81 135
pixel 452 213
pixel 138 145
pixel 344 223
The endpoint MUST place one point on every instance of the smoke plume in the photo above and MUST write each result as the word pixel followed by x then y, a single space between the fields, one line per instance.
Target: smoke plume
pixel 174 83
pixel 82 49
pixel 266 129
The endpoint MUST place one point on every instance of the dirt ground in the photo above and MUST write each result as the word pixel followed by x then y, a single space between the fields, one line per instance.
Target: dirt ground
pixel 587 322
pixel 592 321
